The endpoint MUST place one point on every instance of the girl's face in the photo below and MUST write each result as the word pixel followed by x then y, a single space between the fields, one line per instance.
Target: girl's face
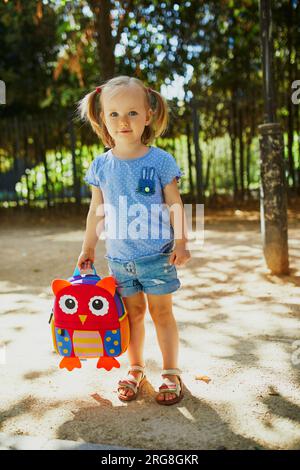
pixel 125 114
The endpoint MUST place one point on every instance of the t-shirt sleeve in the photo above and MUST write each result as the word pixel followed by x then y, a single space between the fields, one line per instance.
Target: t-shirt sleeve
pixel 169 170
pixel 94 173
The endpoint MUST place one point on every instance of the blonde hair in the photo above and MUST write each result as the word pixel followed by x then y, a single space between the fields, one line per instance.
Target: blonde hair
pixel 90 108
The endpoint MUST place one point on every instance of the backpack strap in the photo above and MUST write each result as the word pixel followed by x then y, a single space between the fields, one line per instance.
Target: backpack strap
pixel 78 272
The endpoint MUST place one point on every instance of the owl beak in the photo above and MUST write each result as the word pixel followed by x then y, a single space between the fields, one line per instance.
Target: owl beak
pixel 82 318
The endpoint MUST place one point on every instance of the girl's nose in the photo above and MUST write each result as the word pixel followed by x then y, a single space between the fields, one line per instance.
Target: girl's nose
pixel 124 121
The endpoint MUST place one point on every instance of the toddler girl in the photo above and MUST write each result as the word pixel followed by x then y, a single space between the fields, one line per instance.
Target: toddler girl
pixel 136 179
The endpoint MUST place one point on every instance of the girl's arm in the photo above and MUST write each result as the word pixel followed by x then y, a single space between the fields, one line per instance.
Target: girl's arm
pixel 94 227
pixel 178 220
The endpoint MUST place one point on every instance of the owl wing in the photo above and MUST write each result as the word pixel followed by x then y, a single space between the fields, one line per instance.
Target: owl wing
pixel 63 342
pixel 112 343
pixel 125 333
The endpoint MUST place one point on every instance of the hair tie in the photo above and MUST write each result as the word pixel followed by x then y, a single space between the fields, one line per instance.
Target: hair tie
pixel 149 90
pixel 98 89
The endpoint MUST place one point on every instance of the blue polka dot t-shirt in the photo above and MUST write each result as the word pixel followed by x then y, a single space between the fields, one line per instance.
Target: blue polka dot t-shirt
pixel 137 220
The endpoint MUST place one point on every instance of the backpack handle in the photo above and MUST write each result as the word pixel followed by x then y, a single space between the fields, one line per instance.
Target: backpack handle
pixel 78 272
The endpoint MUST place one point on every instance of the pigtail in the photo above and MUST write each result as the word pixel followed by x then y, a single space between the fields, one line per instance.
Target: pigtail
pixel 161 116
pixel 89 110
pixel 160 119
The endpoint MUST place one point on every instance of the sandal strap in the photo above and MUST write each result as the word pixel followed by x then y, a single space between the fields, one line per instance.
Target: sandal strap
pixel 170 387
pixel 137 368
pixel 129 378
pixel 129 381
pixel 128 384
pixel 171 372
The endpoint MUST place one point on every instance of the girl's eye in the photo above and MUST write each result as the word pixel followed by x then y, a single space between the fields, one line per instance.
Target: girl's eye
pixel 133 113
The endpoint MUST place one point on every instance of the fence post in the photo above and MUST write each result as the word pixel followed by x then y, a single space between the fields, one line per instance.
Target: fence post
pixel 273 186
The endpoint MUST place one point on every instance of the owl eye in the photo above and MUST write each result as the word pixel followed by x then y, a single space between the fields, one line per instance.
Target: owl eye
pixel 98 305
pixel 68 304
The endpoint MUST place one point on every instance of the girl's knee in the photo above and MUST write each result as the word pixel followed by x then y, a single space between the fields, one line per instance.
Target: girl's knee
pixel 137 313
pixel 161 315
pixel 136 307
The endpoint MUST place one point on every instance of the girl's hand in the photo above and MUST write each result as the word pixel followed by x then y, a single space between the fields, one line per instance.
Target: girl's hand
pixel 86 259
pixel 180 255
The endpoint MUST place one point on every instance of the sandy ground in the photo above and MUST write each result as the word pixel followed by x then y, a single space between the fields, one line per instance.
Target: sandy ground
pixel 237 323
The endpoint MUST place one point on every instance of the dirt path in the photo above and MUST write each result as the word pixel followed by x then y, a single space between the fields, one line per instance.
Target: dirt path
pixel 237 325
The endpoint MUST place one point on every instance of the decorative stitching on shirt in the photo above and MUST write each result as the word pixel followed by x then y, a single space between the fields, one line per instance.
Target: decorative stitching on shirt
pixel 146 185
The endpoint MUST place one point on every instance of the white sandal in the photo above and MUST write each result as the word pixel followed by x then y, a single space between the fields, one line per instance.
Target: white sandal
pixel 170 387
pixel 130 382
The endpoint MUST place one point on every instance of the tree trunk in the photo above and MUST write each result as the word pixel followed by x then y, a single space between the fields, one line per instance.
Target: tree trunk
pixel 189 153
pixel 273 184
pixel 297 126
pixel 248 163
pixel 232 133
pixel 103 35
pixel 208 167
pixel 297 108
pixel 76 181
pixel 288 95
pixel 26 161
pixel 199 177
pixel 273 199
pixel 16 150
pixel 173 146
pixel 241 152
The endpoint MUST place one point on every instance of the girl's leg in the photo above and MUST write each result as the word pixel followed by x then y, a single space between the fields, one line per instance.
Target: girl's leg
pixel 160 308
pixel 136 308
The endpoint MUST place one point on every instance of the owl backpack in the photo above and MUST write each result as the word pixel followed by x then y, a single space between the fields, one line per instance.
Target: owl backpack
pixel 88 320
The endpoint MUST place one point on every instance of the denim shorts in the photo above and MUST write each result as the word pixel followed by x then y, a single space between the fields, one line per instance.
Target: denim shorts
pixel 151 274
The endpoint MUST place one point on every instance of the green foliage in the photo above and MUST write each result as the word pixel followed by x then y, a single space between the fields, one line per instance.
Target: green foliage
pixel 53 52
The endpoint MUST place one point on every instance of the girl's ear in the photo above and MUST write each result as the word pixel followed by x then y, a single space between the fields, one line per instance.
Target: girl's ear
pixel 149 116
